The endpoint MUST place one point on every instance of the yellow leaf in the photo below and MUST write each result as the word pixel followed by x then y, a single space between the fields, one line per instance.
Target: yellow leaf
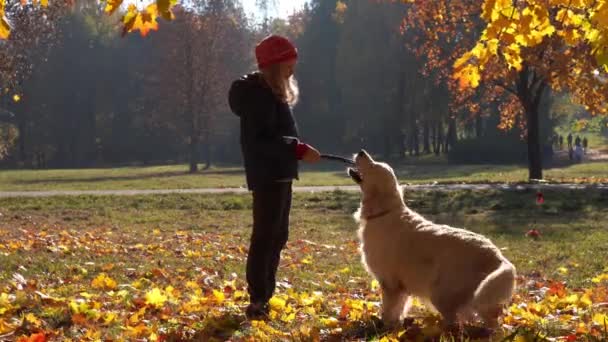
pixel 375 285
pixel 103 282
pixel 44 3
pixel 288 318
pixel 586 300
pixel 31 318
pixel 5 28
pixel 6 327
pixel 110 317
pixel 219 296
pixel 277 304
pixel 562 270
pixel 600 319
pixel 512 56
pixel 330 322
pixel 112 6
pixel 388 339
pixel 164 8
pixel 600 278
pixel 493 46
pixel 307 260
pixel 155 298
pixel 345 270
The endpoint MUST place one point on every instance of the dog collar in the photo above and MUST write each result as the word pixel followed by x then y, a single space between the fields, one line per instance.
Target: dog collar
pixel 380 214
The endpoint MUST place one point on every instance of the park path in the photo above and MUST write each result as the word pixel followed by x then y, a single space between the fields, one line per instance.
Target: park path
pixel 424 187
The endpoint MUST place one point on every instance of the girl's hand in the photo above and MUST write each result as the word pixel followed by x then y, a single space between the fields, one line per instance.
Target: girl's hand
pixel 311 155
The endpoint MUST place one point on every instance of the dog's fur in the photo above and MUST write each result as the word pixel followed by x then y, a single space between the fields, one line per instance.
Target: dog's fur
pixel 458 272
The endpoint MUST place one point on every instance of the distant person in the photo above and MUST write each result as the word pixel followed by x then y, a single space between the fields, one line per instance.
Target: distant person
pixel 577 141
pixel 585 143
pixel 569 140
pixel 570 153
pixel 271 150
pixel 561 142
pixel 578 153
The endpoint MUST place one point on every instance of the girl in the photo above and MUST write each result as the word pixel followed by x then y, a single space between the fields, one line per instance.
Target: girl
pixel 271 150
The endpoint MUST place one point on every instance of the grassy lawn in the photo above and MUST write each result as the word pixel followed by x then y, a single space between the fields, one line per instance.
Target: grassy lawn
pixel 175 177
pixel 172 267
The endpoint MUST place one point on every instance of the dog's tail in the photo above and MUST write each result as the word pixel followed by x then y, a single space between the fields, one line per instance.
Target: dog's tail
pixel 497 287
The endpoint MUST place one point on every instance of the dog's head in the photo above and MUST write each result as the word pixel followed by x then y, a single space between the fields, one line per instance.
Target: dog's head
pixel 378 184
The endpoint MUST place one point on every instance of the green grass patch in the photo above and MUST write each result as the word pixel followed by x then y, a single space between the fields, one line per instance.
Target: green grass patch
pixel 176 177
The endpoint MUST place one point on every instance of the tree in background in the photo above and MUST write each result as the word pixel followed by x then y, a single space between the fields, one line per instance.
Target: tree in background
pixel 523 49
pixel 205 50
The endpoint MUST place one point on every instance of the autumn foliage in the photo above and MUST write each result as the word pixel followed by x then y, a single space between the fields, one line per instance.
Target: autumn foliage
pixel 135 19
pixel 513 53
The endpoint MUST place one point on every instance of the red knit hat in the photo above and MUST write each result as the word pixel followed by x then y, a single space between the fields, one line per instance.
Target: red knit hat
pixel 274 49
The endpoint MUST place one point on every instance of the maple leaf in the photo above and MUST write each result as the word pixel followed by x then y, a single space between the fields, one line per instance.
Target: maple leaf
pixel 155 298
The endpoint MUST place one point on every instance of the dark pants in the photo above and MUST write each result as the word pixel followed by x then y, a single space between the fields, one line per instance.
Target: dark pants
pixel 271 206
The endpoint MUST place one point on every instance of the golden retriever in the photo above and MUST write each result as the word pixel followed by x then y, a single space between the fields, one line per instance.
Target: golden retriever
pixel 458 272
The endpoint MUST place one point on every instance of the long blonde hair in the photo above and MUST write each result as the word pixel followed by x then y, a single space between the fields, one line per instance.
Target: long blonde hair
pixel 285 89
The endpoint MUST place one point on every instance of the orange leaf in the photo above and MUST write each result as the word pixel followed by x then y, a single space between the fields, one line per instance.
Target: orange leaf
pixel 39 337
pixel 79 319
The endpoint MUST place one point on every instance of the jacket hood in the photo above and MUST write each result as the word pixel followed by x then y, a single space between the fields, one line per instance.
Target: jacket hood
pixel 243 91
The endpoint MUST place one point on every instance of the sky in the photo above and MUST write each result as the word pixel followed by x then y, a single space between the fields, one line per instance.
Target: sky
pixel 283 7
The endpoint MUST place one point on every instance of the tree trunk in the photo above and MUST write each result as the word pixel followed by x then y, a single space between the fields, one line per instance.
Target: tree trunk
pixel 207 152
pixel 478 126
pixel 535 168
pixel 193 152
pixel 530 89
pixel 387 144
pixel 22 127
pixel 416 139
pixel 425 137
pixel 451 136
pixel 440 140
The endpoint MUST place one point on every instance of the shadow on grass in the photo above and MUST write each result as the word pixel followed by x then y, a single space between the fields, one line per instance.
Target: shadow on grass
pixel 215 328
pixel 507 212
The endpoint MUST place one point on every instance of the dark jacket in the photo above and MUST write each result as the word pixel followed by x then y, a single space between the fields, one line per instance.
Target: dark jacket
pixel 268 132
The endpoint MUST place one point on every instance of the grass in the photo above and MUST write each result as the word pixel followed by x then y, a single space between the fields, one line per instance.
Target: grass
pixel 197 244
pixel 176 177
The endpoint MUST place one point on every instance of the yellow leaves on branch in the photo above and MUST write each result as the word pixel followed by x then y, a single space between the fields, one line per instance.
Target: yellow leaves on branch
pixel 112 6
pixel 144 21
pixel 134 19
pixel 511 30
pixel 5 29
